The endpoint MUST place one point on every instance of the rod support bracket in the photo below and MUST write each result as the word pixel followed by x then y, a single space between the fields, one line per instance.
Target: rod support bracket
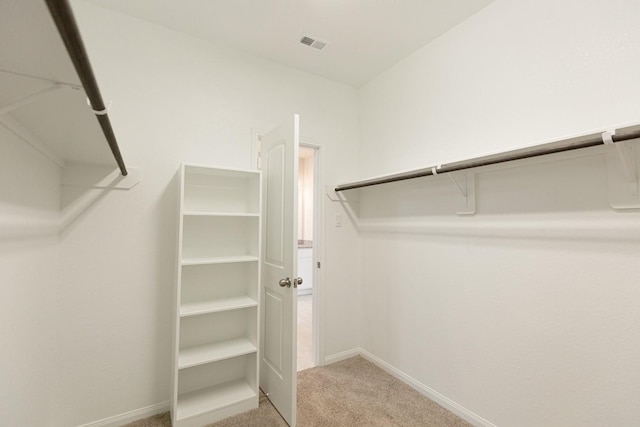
pixel 335 196
pixel 102 112
pixel 625 154
pixel 30 98
pixel 466 184
pixel 332 194
pixel 463 189
pixel 622 173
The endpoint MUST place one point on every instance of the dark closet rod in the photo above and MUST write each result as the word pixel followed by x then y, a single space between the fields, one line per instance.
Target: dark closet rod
pixel 63 17
pixel 623 134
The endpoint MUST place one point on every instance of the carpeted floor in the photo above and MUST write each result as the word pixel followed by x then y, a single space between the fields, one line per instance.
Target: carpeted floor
pixel 353 393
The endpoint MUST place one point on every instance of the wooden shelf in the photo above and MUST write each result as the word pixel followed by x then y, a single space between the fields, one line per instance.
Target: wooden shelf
pixel 213 398
pixel 220 260
pixel 194 356
pixel 223 214
pixel 204 307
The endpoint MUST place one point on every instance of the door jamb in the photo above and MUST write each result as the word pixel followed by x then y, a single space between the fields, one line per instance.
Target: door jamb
pixel 318 252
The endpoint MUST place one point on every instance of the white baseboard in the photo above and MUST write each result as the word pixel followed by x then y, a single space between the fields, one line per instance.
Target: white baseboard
pixel 336 357
pixel 462 412
pixel 440 399
pixel 131 416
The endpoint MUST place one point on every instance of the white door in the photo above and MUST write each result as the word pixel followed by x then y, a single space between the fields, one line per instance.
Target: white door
pixel 279 159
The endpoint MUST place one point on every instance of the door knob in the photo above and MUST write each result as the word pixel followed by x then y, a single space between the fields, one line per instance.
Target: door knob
pixel 285 282
pixel 297 281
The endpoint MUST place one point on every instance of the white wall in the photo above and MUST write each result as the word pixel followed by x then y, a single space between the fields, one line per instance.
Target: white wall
pixel 515 74
pixel 29 206
pixel 176 98
pixel 527 313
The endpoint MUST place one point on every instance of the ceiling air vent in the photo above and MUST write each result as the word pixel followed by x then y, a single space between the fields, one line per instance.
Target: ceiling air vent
pixel 307 40
pixel 313 42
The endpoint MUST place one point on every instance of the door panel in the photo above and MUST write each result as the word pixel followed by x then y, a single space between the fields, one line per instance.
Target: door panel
pixel 280 251
pixel 274 201
pixel 273 332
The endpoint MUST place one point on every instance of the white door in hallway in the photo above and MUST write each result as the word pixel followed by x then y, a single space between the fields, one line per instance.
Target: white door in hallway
pixel 279 158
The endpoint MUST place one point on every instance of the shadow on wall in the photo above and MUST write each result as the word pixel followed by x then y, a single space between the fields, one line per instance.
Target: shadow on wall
pixel 83 186
pixel 529 187
pixel 29 191
pixel 560 196
pixel 165 277
pixel 119 264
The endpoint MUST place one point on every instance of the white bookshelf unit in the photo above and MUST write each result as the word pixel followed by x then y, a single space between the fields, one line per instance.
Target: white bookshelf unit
pixel 215 369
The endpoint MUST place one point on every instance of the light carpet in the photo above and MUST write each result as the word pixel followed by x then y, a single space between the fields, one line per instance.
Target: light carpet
pixel 353 392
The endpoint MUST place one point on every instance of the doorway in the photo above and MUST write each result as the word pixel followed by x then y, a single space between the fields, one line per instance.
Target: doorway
pixel 306 246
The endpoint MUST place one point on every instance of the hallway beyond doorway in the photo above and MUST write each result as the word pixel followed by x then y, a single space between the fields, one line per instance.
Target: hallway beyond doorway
pixel 305 335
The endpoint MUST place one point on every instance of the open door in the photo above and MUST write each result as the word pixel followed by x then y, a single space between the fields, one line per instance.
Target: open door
pixel 279 158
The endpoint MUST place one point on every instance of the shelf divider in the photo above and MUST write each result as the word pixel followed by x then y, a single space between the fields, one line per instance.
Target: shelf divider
pixel 200 355
pixel 213 398
pixel 220 260
pixel 222 214
pixel 214 306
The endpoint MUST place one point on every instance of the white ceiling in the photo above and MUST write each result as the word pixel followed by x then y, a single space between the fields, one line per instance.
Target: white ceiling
pixel 365 36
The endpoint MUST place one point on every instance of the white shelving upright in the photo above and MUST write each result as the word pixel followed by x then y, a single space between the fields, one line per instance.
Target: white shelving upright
pixel 215 369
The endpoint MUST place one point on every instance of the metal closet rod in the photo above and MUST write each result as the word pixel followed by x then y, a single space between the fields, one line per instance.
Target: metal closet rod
pixel 576 143
pixel 67 27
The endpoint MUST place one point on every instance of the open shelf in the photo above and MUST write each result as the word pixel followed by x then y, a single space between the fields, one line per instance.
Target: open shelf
pixel 42 98
pixel 206 236
pixel 199 355
pixel 221 190
pixel 218 281
pixel 220 260
pixel 222 330
pixel 216 348
pixel 204 307
pixel 213 398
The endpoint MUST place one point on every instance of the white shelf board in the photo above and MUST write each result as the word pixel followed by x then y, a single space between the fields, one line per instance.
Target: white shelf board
pixel 223 214
pixel 199 355
pixel 204 307
pixel 218 171
pixel 58 123
pixel 213 398
pixel 219 260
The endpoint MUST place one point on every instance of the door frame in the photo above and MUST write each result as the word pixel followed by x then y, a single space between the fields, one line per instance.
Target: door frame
pixel 318 252
pixel 317 344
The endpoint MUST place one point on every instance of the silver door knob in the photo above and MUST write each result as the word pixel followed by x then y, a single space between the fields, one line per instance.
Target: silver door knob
pixel 297 281
pixel 285 282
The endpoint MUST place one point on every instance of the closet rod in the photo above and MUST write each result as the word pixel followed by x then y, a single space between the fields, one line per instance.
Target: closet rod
pixel 67 27
pixel 622 134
